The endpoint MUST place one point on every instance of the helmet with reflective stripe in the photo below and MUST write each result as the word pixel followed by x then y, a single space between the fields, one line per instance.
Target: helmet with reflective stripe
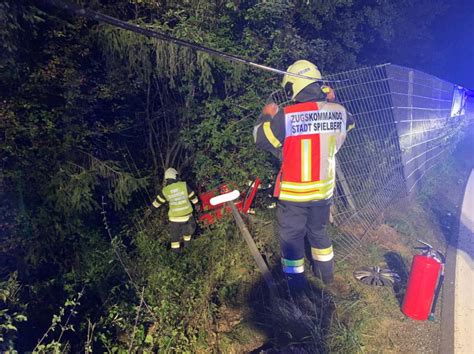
pixel 292 84
pixel 171 173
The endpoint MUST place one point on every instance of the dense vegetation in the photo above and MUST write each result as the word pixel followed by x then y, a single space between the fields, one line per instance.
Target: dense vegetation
pixel 91 116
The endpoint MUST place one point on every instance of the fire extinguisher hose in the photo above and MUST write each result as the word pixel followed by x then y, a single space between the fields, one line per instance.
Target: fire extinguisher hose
pixel 431 317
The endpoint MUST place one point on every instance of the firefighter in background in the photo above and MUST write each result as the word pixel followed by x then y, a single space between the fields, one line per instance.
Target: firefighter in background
pixel 305 135
pixel 179 198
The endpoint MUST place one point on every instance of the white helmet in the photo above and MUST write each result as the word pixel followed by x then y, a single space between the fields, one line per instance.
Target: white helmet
pixel 171 173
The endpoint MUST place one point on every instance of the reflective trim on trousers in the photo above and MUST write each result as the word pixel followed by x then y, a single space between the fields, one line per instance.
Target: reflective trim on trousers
pixel 293 270
pixel 292 262
pixel 292 266
pixel 322 254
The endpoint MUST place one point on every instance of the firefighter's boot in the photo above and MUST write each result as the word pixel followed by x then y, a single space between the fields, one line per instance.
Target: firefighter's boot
pixel 176 247
pixel 324 271
pixel 297 283
pixel 187 241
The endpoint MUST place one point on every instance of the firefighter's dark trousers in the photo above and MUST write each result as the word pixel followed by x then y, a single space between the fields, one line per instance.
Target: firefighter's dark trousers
pixel 181 231
pixel 295 222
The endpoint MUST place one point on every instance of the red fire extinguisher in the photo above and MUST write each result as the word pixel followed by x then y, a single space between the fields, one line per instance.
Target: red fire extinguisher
pixel 424 283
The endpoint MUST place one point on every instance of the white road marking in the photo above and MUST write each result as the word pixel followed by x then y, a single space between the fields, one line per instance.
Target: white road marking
pixel 464 278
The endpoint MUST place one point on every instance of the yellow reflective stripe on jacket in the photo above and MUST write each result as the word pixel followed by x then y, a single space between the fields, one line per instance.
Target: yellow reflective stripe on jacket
pixel 304 197
pixel 270 136
pixel 161 200
pixel 187 237
pixel 300 187
pixel 181 208
pixel 332 159
pixel 156 204
pixel 322 254
pixel 303 192
pixel 175 244
pixel 193 197
pixel 332 146
pixel 306 160
pixel 180 218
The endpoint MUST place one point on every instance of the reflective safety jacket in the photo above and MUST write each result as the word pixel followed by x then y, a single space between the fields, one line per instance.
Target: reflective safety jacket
pixel 308 134
pixel 178 195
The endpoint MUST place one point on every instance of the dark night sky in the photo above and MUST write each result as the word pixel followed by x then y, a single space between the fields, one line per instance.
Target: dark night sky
pixel 454 45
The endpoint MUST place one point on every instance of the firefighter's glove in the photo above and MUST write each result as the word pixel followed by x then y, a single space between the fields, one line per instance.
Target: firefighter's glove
pixel 329 92
pixel 270 109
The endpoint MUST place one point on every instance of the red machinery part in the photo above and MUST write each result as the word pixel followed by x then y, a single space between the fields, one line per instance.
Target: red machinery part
pixel 251 195
pixel 212 213
pixel 424 275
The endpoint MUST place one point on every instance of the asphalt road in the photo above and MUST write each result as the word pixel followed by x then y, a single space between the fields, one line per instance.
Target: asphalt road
pixel 464 276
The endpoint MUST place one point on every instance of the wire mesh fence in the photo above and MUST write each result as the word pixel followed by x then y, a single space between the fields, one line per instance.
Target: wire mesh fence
pixel 406 123
pixel 370 170
pixel 428 119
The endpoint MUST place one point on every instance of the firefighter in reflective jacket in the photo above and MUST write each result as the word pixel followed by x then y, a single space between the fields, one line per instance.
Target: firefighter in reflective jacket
pixel 305 135
pixel 179 198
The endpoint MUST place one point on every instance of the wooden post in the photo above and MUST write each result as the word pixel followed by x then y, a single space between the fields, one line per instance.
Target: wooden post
pixel 262 266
